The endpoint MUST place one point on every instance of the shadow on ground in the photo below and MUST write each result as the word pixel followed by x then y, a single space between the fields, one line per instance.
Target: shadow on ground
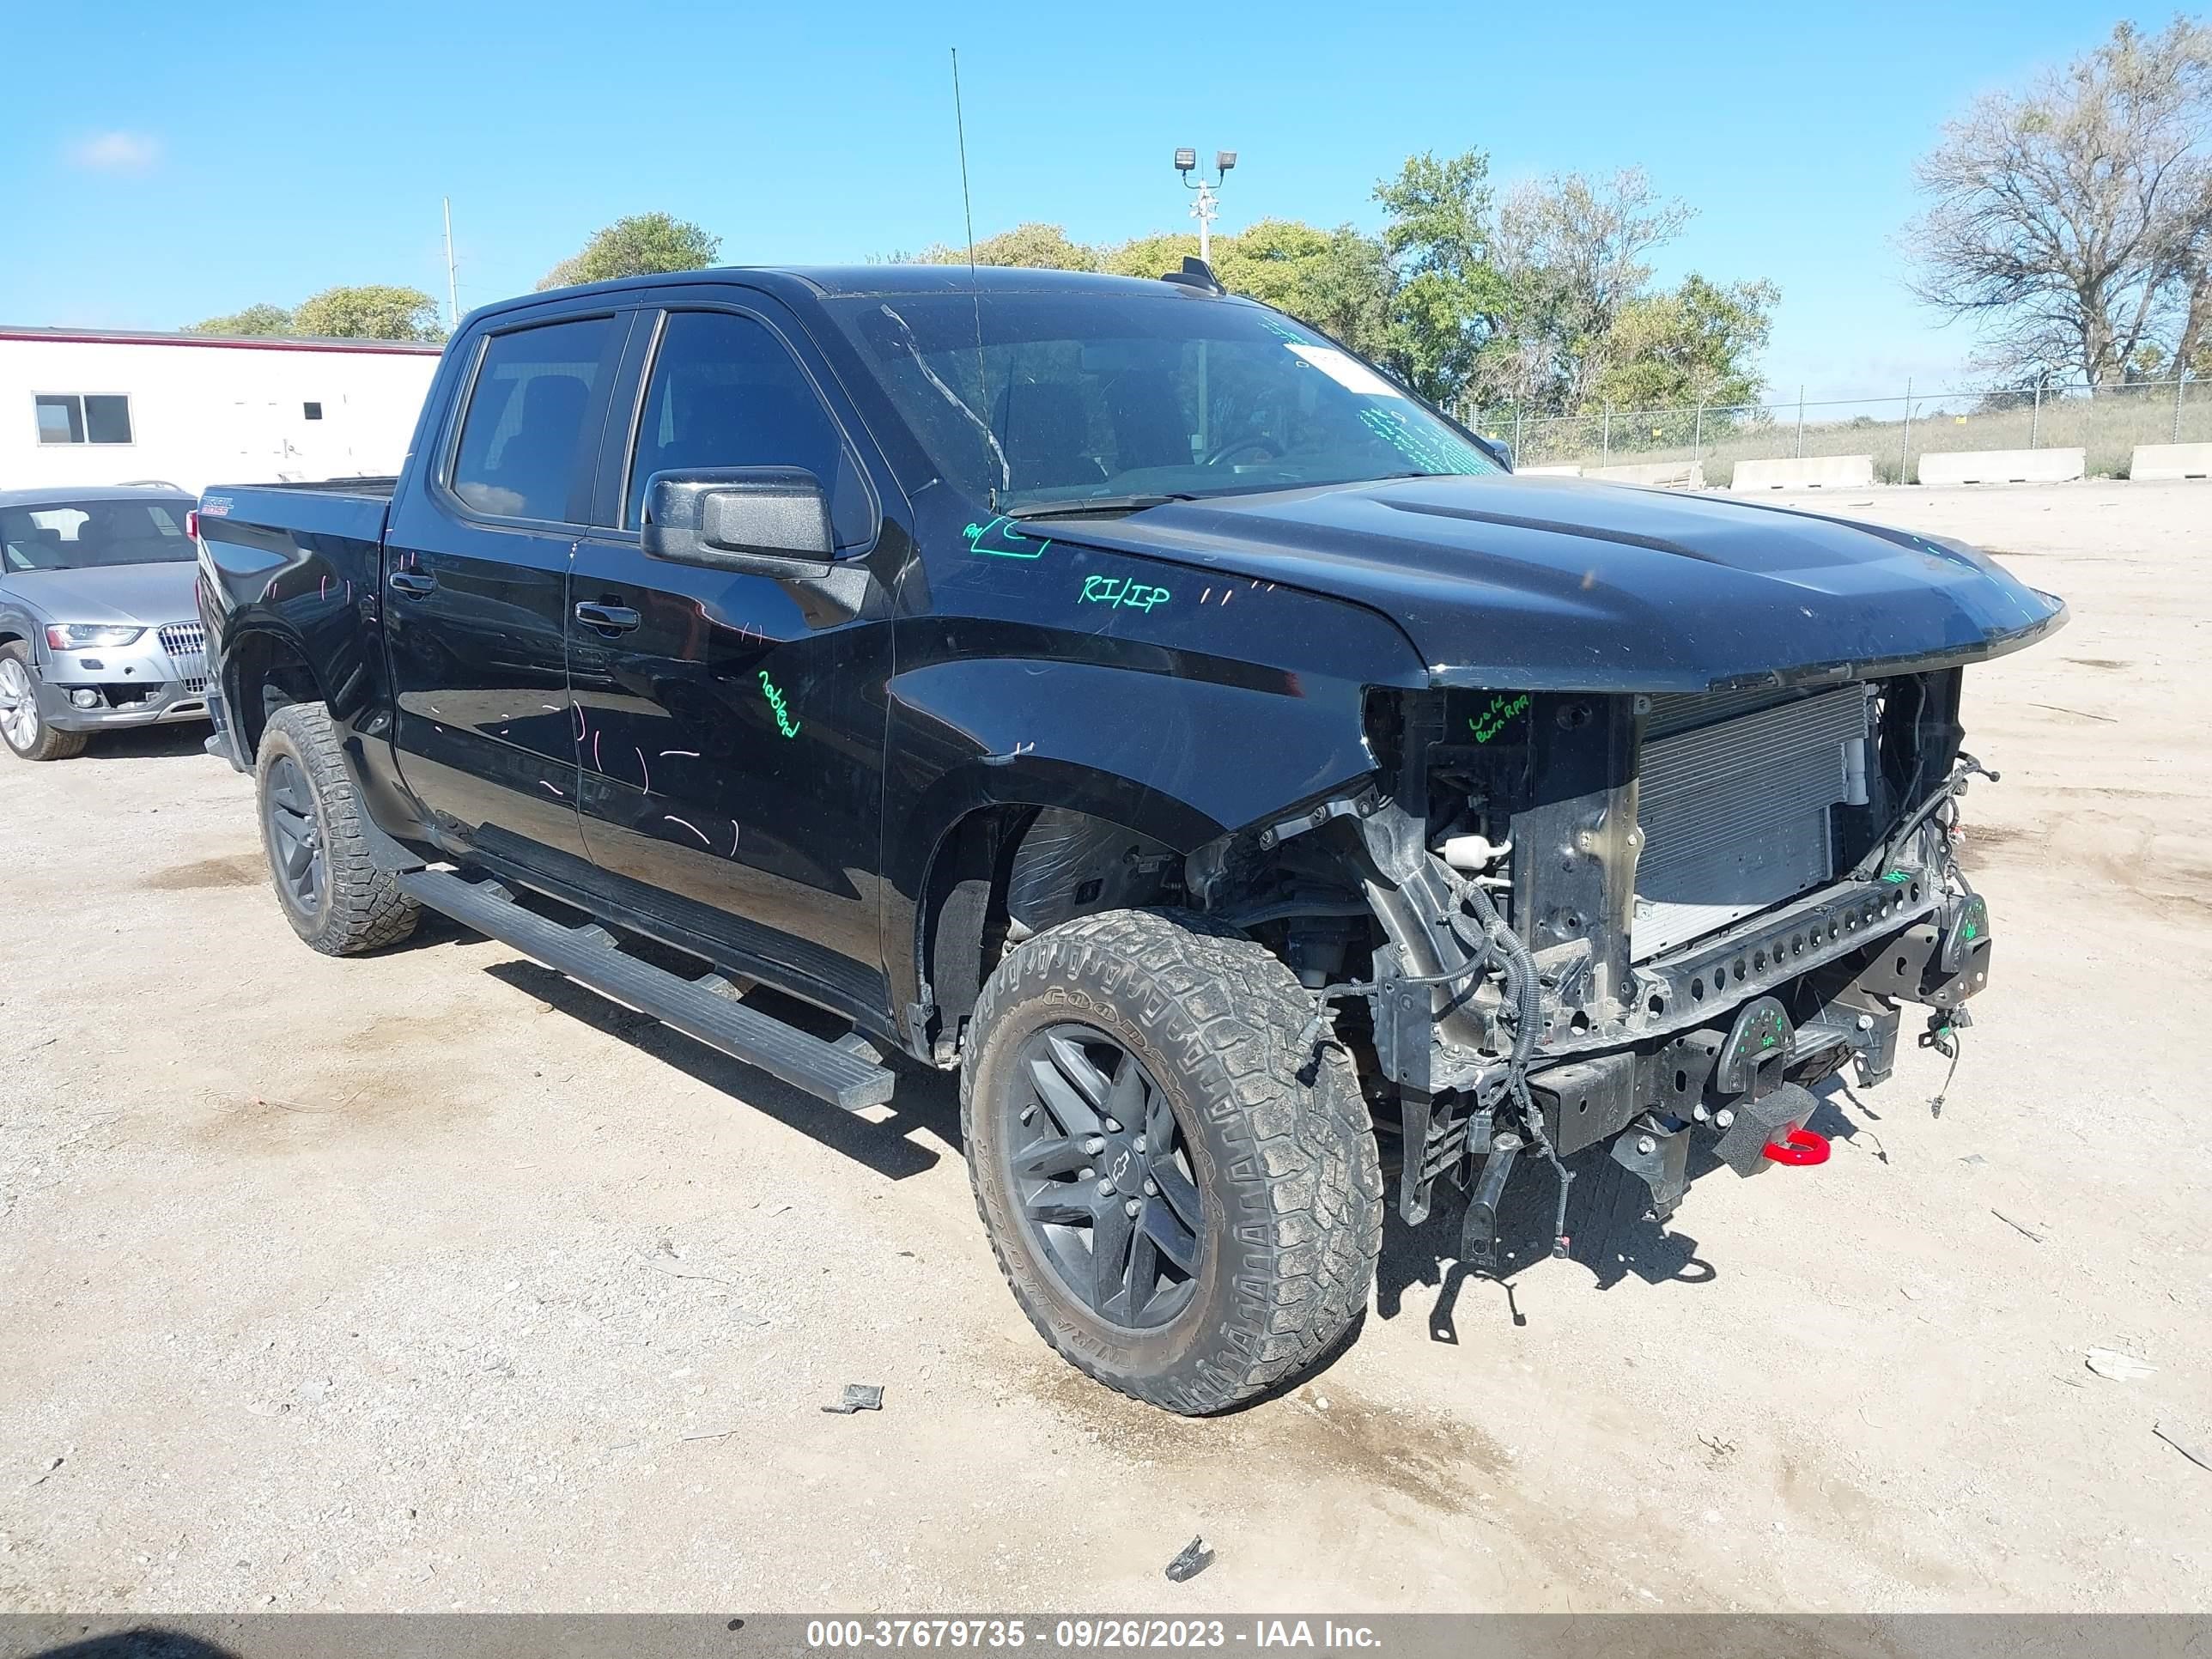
pixel 1606 1228
pixel 927 1101
pixel 185 739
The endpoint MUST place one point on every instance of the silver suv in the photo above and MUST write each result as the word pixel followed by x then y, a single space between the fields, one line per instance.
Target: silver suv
pixel 97 627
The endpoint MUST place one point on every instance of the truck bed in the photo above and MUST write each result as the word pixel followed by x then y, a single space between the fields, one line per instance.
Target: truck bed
pixel 352 509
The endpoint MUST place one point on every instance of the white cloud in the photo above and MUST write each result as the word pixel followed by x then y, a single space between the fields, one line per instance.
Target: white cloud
pixel 116 152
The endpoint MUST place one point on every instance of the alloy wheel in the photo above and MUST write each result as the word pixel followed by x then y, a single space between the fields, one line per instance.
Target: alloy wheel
pixel 18 705
pixel 1102 1175
pixel 296 840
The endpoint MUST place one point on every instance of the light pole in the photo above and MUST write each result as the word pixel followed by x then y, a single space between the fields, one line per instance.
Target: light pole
pixel 1208 203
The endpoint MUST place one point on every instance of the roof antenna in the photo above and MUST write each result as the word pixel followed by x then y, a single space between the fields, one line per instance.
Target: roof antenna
pixel 975 295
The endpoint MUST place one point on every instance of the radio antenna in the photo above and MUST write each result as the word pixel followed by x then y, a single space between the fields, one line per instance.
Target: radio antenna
pixel 975 293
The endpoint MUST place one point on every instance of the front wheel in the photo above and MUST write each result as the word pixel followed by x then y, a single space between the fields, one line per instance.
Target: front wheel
pixel 1177 1211
pixel 21 726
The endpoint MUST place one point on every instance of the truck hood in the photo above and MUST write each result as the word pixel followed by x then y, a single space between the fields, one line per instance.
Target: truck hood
pixel 147 594
pixel 1553 584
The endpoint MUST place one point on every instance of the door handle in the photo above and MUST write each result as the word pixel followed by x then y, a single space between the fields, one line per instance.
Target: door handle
pixel 613 619
pixel 413 583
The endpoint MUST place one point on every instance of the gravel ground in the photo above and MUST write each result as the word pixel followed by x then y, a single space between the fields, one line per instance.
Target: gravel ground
pixel 432 1281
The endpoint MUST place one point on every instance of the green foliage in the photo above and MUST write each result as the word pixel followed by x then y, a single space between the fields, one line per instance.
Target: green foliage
pixel 254 319
pixel 1696 344
pixel 1436 234
pixel 1336 280
pixel 375 312
pixel 641 244
pixel 1032 246
pixel 1544 303
pixel 1153 255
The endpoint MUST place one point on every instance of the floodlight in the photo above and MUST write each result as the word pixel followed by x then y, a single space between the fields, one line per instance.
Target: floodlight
pixel 1185 160
pixel 1223 160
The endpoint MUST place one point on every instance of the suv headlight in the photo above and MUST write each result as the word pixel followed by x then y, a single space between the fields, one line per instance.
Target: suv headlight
pixel 81 636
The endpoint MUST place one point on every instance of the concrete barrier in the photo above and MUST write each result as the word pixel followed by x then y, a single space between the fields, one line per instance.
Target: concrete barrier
pixel 1656 475
pixel 1806 472
pixel 2154 461
pixel 1966 467
pixel 1548 471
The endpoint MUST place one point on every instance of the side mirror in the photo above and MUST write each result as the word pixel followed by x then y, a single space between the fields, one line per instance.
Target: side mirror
pixel 1497 449
pixel 762 520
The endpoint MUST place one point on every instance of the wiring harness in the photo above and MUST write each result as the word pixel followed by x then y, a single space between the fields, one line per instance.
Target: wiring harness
pixel 1493 948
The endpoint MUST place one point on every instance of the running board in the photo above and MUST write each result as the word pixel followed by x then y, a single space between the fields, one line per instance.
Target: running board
pixel 697 1008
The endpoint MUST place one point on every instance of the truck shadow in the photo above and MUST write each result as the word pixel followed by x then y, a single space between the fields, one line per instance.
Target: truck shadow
pixel 1607 1229
pixel 927 1101
pixel 138 1642
pixel 186 738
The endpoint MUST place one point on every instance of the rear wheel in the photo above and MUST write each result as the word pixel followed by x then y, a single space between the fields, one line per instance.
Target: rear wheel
pixel 21 726
pixel 1179 1214
pixel 332 892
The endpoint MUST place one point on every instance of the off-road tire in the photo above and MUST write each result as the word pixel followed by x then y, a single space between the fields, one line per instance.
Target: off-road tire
pixel 362 907
pixel 1286 1170
pixel 49 744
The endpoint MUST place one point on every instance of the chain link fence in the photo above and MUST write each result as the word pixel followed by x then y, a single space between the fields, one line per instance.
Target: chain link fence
pixel 2106 423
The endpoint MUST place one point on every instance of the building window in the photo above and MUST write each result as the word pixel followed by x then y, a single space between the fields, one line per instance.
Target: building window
pixel 91 418
pixel 311 412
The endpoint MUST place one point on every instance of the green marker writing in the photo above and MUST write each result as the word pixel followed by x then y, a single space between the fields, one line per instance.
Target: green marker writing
pixel 784 723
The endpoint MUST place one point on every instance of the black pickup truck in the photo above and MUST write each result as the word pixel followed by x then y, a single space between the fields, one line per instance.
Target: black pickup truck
pixel 1118 693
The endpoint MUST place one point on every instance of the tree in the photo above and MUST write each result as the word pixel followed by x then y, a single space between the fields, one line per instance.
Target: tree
pixel 1570 253
pixel 2074 222
pixel 1696 344
pixel 1436 235
pixel 254 319
pixel 1545 304
pixel 1339 281
pixel 1152 256
pixel 1032 246
pixel 375 312
pixel 642 245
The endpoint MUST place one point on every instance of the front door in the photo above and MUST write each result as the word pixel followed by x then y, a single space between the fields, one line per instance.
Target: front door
pixel 732 726
pixel 475 597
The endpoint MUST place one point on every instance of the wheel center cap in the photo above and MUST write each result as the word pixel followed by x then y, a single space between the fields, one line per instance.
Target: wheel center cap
pixel 1127 1171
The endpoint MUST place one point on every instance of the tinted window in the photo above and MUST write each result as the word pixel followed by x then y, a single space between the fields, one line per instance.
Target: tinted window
pixel 108 420
pixel 523 443
pixel 84 535
pixel 1052 397
pixel 726 392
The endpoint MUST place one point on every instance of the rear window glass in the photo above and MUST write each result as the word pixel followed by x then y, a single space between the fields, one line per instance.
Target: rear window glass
pixel 523 443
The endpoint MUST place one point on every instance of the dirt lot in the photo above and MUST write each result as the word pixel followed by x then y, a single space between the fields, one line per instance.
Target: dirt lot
pixel 431 1280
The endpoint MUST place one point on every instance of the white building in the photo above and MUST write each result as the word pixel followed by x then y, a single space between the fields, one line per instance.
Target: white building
pixel 93 406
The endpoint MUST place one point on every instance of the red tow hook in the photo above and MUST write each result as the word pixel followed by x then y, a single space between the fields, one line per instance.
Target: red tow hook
pixel 1799 1146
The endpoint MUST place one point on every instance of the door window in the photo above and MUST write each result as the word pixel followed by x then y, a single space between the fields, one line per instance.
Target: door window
pixel 726 392
pixel 523 443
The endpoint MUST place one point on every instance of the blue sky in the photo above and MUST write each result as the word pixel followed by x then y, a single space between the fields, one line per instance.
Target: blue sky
pixel 159 163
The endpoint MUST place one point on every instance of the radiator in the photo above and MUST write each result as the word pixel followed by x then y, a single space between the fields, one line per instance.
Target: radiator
pixel 1734 811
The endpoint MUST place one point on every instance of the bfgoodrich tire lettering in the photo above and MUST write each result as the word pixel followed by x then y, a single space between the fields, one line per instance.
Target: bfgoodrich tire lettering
pixel 331 891
pixel 1286 1171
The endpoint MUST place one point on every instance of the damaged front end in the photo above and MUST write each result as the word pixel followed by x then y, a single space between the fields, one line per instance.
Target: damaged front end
pixel 1553 919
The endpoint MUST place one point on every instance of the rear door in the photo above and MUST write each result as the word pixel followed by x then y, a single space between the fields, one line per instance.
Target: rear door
pixel 732 725
pixel 476 595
